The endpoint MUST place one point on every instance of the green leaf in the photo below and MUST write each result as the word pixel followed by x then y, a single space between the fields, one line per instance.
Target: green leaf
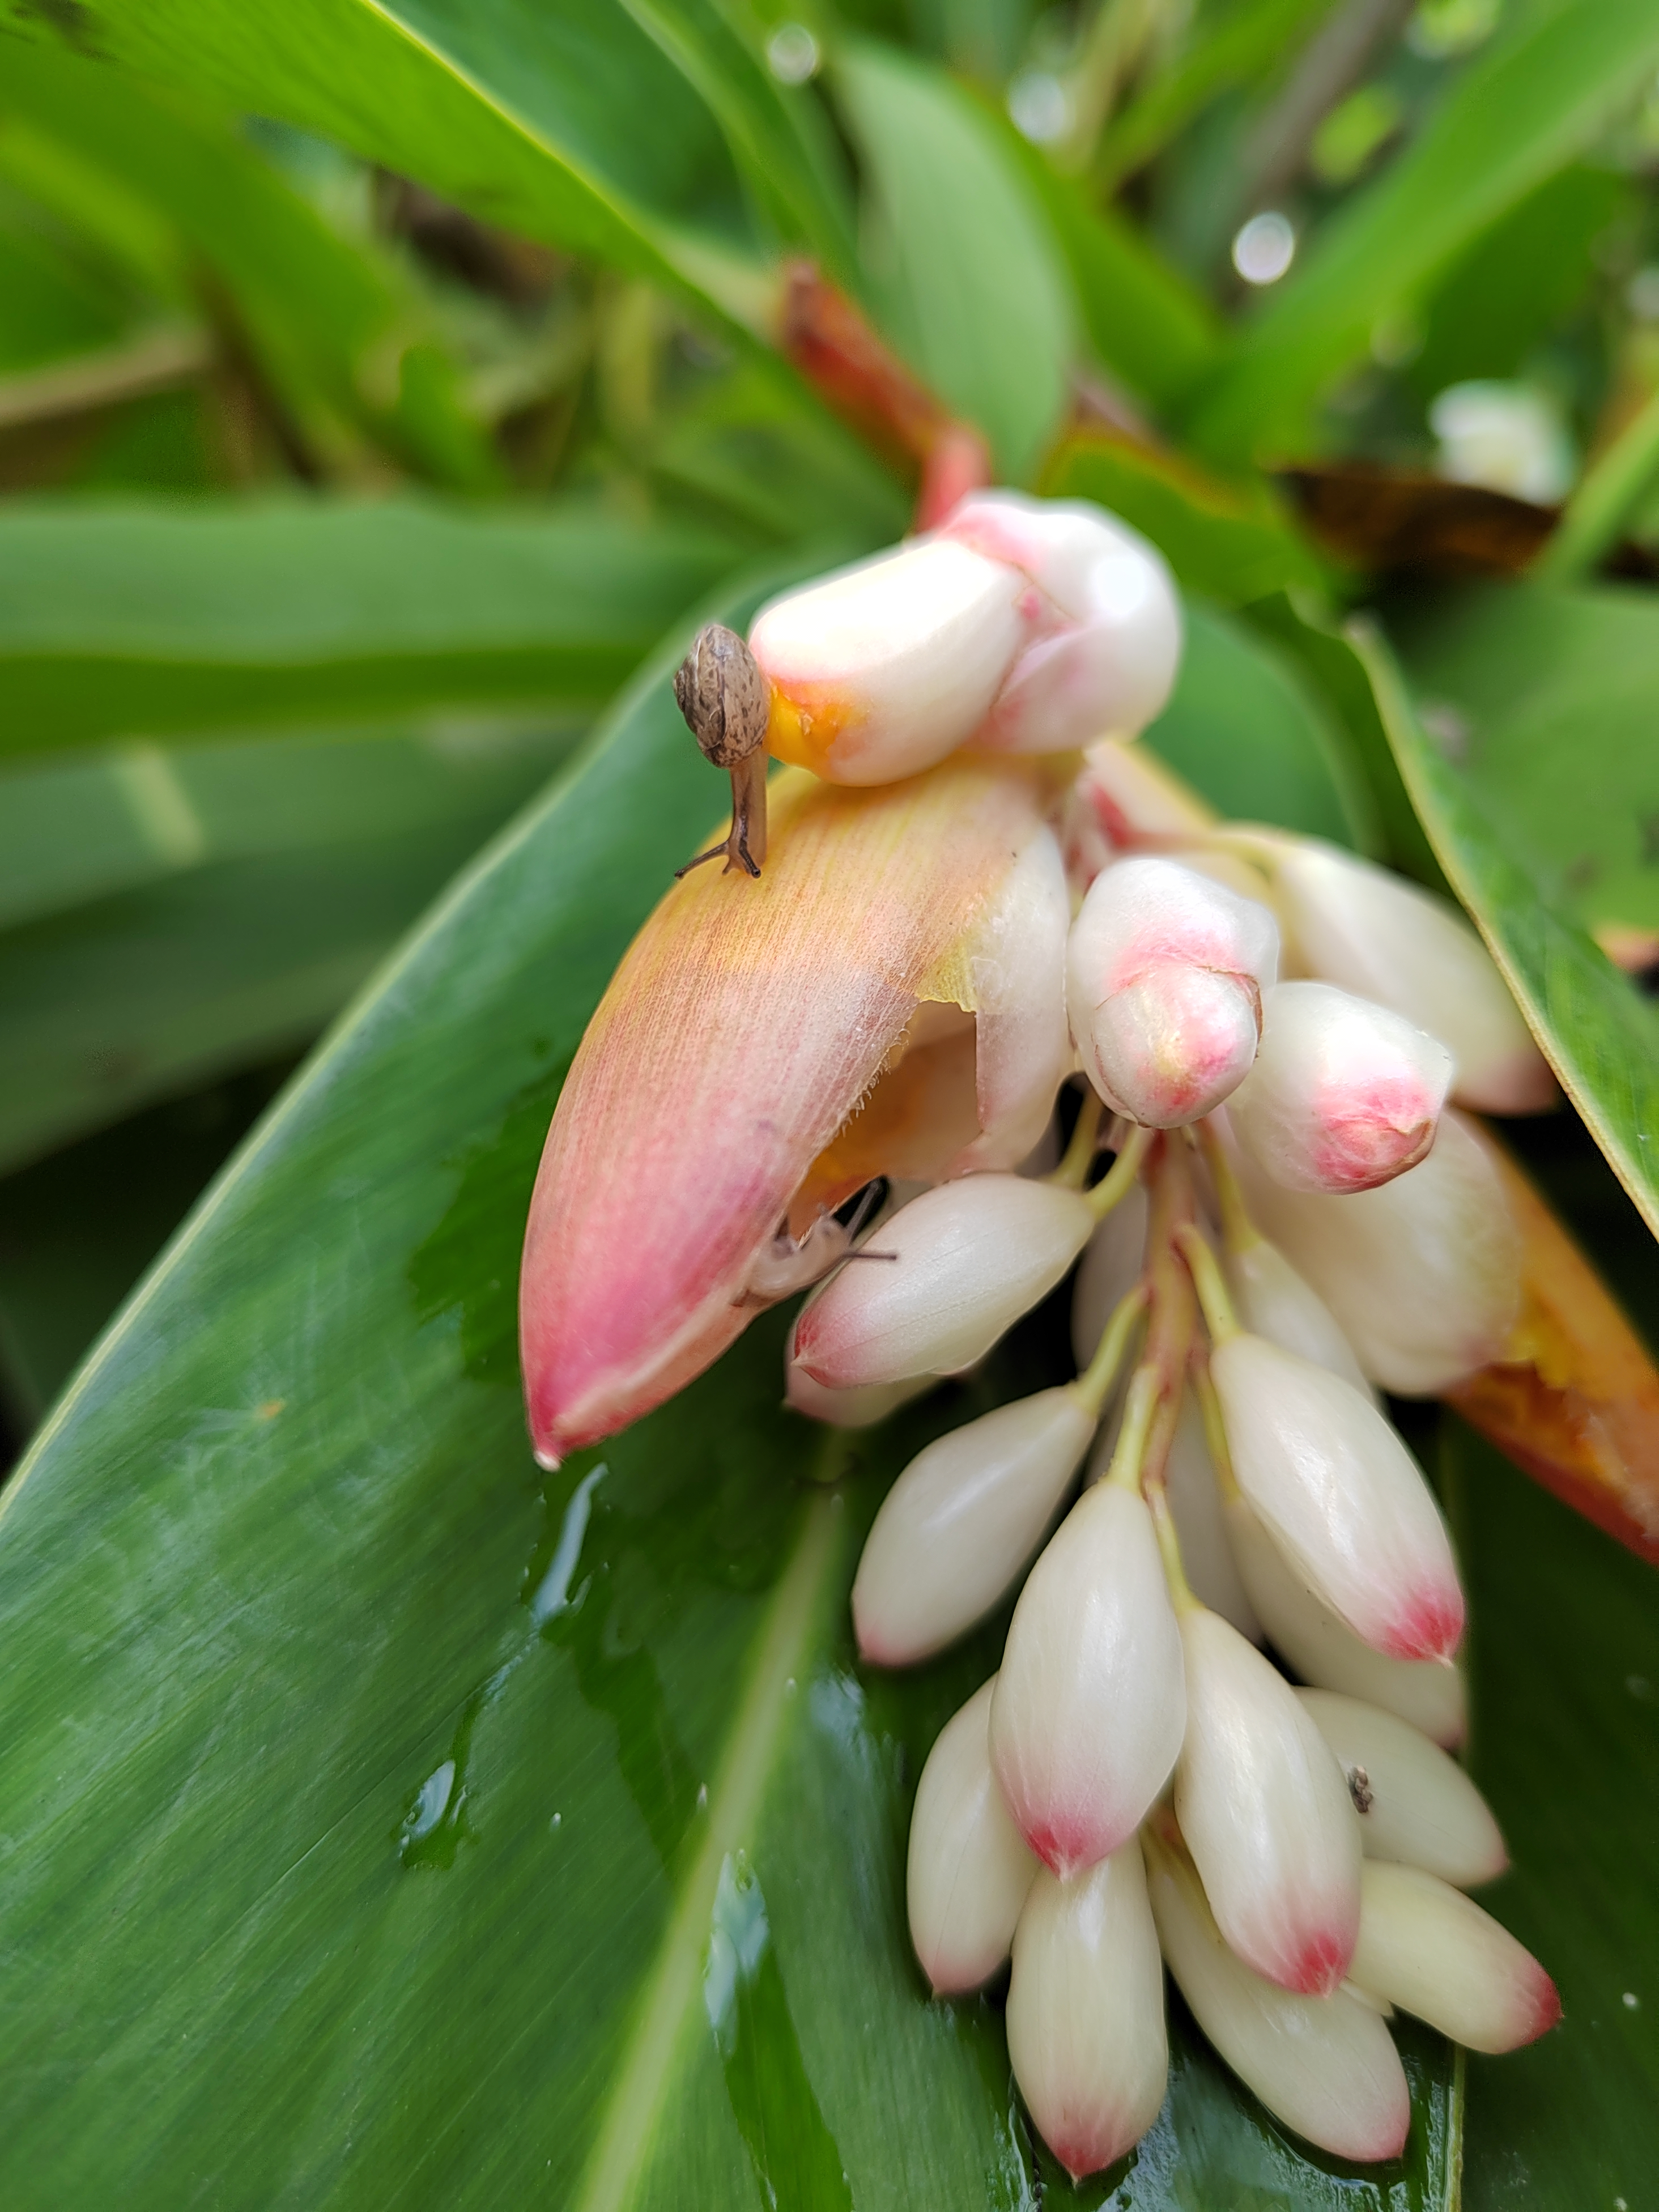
pixel 960 256
pixel 1248 729
pixel 218 963
pixel 333 328
pixel 1564 1695
pixel 532 116
pixel 1230 540
pixel 391 1823
pixel 116 618
pixel 1146 321
pixel 1599 1034
pixel 1513 118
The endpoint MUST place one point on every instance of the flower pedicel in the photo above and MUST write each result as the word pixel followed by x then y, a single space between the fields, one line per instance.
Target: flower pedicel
pixel 911 950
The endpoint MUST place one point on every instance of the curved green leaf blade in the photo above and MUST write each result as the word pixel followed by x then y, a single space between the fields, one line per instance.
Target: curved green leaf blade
pixel 118 617
pixel 528 115
pixel 1565 1698
pixel 389 1823
pixel 1599 1034
pixel 1513 119
pixel 960 254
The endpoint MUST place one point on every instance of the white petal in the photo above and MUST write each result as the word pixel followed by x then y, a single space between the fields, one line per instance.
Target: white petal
pixel 954 1530
pixel 1274 1302
pixel 1427 1692
pixel 893 663
pixel 1085 2012
pixel 1432 1951
pixel 1344 1095
pixel 1164 973
pixel 1415 1805
pixel 1337 1489
pixel 848 1409
pixel 1016 961
pixel 1091 1702
pixel 1326 2066
pixel 969 1870
pixel 1355 925
pixel 1104 659
pixel 1110 1269
pixel 1264 1809
pixel 972 1256
pixel 1424 1275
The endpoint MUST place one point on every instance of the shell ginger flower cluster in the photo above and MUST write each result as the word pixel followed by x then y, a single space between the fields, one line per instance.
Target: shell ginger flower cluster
pixel 968 900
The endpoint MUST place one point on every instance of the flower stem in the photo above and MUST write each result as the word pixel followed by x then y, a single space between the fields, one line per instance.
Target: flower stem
pixel 1215 1429
pixel 1236 1226
pixel 1097 1379
pixel 1169 1545
pixel 1139 1409
pixel 1086 1137
pixel 1218 1315
pixel 1122 1177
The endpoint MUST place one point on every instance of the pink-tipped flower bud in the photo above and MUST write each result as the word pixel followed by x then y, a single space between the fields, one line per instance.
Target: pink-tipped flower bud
pixel 1354 924
pixel 848 1409
pixel 1164 974
pixel 968 1871
pixel 956 1529
pixel 1326 2066
pixel 1091 1702
pixel 1424 1275
pixel 1085 2012
pixel 1415 1805
pixel 1344 1095
pixel 1274 1302
pixel 1264 1809
pixel 1427 1692
pixel 1429 1949
pixel 1106 641
pixel 1337 1489
pixel 968 1259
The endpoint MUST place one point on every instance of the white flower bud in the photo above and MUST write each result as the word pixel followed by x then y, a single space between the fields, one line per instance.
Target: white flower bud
pixel 1110 1268
pixel 1326 2066
pixel 1429 1949
pixel 969 1870
pixel 1427 1692
pixel 961 1521
pixel 1335 1487
pixel 1165 976
pixel 1264 1809
pixel 1354 924
pixel 971 1257
pixel 848 1409
pixel 1415 1805
pixel 1016 967
pixel 1424 1275
pixel 887 666
pixel 1091 1702
pixel 1344 1096
pixel 1085 2011
pixel 1108 642
pixel 1274 1302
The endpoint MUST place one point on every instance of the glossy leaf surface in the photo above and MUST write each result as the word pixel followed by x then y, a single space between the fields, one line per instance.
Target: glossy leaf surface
pixel 530 1836
pixel 962 263
pixel 117 619
pixel 1600 1033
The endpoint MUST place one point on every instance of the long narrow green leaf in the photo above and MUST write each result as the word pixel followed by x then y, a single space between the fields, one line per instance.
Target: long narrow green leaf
pixel 1601 1037
pixel 391 1824
pixel 1512 121
pixel 563 121
pixel 1251 38
pixel 331 327
pixel 118 619
pixel 962 257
